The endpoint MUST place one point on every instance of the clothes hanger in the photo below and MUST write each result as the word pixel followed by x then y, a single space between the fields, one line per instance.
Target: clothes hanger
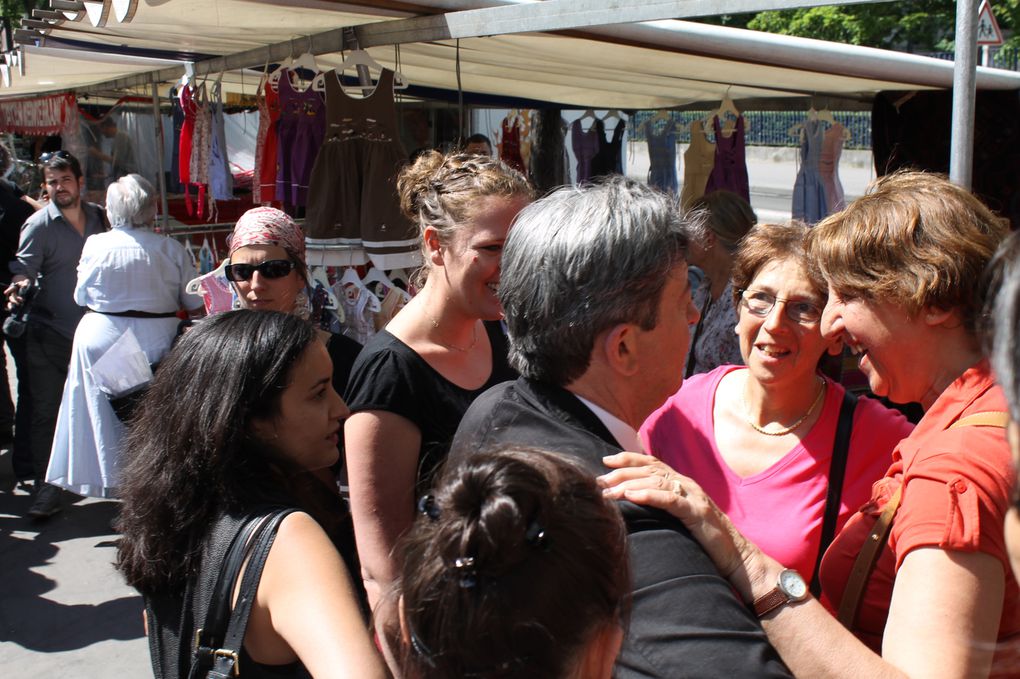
pixel 374 275
pixel 319 278
pixel 825 115
pixel 588 113
pixel 352 286
pixel 305 60
pixel 357 58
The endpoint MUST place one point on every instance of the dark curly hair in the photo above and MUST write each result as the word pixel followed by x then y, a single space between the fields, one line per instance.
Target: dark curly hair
pixel 189 451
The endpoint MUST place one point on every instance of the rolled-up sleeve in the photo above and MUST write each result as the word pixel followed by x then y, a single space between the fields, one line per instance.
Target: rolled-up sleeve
pixel 31 249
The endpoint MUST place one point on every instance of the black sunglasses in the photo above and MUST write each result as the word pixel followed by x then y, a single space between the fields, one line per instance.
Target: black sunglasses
pixel 273 268
pixel 46 157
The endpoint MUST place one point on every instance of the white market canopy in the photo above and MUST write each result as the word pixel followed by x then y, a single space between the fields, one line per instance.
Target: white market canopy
pixel 645 65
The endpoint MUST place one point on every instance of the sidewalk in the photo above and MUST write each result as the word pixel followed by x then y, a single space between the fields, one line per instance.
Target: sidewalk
pixel 64 612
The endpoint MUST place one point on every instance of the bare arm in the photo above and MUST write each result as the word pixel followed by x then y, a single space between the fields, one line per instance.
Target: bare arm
pixel 36 205
pixel 306 607
pixel 382 460
pixel 943 617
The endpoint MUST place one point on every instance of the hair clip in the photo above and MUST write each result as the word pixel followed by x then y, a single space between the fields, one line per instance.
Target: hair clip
pixel 427 506
pixel 535 535
pixel 465 565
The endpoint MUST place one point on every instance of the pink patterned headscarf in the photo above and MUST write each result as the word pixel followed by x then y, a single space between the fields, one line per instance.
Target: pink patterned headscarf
pixel 268 226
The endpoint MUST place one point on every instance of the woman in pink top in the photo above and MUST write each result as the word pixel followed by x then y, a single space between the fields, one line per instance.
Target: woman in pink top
pixel 760 439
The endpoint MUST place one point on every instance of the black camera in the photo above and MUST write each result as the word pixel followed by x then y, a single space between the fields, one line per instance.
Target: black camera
pixel 14 324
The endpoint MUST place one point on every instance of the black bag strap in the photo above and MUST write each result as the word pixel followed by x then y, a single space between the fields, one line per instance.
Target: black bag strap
pixel 214 644
pixel 837 471
pixel 705 306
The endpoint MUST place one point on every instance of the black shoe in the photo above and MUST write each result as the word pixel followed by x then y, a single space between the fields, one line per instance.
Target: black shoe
pixel 47 502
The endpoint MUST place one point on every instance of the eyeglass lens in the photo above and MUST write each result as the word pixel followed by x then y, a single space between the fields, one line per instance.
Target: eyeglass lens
pixel 760 304
pixel 273 268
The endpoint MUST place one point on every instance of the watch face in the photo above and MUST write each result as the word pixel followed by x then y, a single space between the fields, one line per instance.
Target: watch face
pixel 791 583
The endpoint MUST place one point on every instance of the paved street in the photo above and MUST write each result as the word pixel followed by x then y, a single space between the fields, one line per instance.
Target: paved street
pixel 64 611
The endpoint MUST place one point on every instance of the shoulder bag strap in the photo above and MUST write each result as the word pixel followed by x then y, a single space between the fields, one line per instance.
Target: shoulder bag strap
pixel 226 658
pixel 837 472
pixel 872 549
pixel 705 306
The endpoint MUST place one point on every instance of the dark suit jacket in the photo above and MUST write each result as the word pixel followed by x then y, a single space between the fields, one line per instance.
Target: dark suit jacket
pixel 685 621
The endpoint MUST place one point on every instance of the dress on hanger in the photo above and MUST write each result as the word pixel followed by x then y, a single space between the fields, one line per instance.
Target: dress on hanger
pixel 510 146
pixel 662 157
pixel 352 197
pixel 221 181
pixel 809 201
pixel 609 159
pixel 699 159
pixel 586 145
pixel 828 166
pixel 201 139
pixel 730 170
pixel 186 97
pixel 266 147
pixel 301 129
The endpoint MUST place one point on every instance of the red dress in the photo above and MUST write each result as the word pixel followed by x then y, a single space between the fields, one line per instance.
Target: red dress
pixel 187 99
pixel 266 145
pixel 510 147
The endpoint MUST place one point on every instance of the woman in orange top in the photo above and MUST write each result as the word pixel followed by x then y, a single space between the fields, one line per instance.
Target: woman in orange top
pixel 904 266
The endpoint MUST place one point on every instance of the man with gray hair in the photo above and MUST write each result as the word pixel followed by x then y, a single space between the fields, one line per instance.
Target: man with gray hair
pixel 598 307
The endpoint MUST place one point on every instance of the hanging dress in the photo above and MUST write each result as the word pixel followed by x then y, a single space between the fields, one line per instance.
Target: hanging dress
pixel 662 157
pixel 809 201
pixel 730 170
pixel 266 147
pixel 221 181
pixel 828 167
pixel 186 97
pixel 699 159
pixel 201 140
pixel 352 196
pixel 301 129
pixel 510 146
pixel 609 159
pixel 586 145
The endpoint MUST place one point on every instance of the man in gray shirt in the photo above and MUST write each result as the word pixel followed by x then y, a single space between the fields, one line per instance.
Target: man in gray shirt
pixel 48 254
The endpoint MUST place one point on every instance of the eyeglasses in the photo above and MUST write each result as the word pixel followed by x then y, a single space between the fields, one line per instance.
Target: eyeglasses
pixel 49 155
pixel 760 304
pixel 272 268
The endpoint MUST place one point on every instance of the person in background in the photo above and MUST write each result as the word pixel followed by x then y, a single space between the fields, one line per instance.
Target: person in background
pixel 267 270
pixel 416 377
pixel 240 405
pixel 904 266
pixel 478 145
pixel 1005 356
pixel 48 254
pixel 595 286
pixel 494 526
pixel 713 343
pixel 15 419
pixel 113 154
pixel 133 280
pixel 762 440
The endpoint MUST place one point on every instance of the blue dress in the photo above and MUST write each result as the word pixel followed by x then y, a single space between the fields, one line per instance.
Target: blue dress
pixel 662 158
pixel 809 201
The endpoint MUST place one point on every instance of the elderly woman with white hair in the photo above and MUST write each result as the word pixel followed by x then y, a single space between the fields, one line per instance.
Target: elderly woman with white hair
pixel 133 280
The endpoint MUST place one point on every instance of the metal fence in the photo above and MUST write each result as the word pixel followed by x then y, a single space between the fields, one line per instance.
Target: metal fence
pixel 999 57
pixel 765 128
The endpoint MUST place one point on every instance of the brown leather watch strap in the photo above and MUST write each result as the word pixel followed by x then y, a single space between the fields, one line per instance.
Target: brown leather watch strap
pixel 865 562
pixel 770 602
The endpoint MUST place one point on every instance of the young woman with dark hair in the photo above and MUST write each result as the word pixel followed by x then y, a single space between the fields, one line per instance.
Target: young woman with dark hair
pixel 242 404
pixel 517 567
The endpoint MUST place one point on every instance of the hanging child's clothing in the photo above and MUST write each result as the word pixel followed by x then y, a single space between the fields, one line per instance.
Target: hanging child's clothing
pixel 352 197
pixel 699 159
pixel 586 145
pixel 266 146
pixel 201 139
pixel 221 181
pixel 300 131
pixel 730 169
pixel 662 157
pixel 186 97
pixel 609 159
pixel 510 146
pixel 828 167
pixel 809 201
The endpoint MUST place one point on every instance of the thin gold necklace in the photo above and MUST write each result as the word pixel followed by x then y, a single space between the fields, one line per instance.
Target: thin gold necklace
pixel 463 350
pixel 785 430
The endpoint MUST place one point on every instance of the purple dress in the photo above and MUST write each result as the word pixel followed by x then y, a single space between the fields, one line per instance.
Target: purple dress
pixel 730 171
pixel 301 129
pixel 586 146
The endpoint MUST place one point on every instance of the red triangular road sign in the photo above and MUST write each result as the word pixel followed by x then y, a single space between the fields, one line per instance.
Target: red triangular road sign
pixel 988 32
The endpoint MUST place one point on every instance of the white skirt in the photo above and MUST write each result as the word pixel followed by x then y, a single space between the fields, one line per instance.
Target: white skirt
pixel 85 458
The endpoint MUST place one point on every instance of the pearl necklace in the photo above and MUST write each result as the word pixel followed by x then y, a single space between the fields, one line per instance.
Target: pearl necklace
pixel 784 430
pixel 464 350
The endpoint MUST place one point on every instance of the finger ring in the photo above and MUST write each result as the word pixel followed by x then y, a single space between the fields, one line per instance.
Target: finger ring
pixel 678 489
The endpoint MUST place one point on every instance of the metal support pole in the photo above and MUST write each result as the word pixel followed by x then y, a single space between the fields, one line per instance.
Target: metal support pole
pixel 157 119
pixel 961 150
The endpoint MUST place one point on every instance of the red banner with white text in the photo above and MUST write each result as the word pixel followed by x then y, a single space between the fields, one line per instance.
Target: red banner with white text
pixel 37 115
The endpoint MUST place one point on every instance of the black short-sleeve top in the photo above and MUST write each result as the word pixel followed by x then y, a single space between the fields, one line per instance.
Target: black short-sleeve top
pixel 390 376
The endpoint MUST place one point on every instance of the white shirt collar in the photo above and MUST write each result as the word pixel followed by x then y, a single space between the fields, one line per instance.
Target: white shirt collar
pixel 624 434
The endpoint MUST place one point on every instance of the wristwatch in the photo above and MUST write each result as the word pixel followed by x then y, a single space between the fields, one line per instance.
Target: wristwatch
pixel 790 587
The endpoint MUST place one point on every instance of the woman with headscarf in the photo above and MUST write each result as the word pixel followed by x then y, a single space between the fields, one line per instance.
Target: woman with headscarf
pixel 133 280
